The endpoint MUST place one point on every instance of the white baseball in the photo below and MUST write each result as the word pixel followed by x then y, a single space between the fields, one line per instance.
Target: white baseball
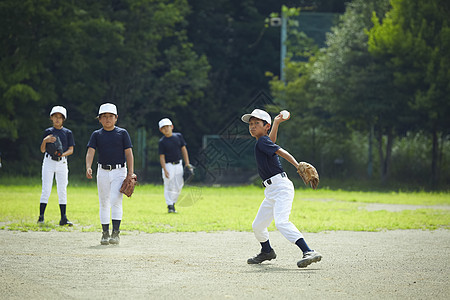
pixel 285 114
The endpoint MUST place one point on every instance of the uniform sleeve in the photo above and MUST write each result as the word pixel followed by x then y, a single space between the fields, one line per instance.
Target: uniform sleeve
pixel 266 146
pixel 126 140
pixel 161 147
pixel 93 141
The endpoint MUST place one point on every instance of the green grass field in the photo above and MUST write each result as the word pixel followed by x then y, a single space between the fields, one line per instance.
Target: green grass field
pixel 224 208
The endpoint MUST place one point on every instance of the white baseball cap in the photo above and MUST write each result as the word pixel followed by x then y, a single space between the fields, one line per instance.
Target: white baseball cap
pixel 257 113
pixel 164 122
pixel 59 109
pixel 107 108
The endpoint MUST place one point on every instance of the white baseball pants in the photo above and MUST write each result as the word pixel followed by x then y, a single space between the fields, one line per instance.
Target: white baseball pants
pixel 173 184
pixel 277 206
pixel 58 169
pixel 109 195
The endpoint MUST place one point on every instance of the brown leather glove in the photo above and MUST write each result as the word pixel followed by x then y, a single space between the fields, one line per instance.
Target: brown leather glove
pixel 309 174
pixel 128 185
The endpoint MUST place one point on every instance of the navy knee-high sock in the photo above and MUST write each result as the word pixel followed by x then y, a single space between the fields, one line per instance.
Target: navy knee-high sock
pixel 116 225
pixel 301 243
pixel 62 208
pixel 265 247
pixel 42 209
pixel 105 227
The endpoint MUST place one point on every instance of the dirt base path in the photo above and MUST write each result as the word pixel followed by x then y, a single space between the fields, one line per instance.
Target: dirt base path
pixel 404 264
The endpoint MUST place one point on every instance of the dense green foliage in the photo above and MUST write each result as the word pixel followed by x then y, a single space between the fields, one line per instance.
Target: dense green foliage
pixel 372 103
pixel 384 75
pixel 81 54
pixel 229 208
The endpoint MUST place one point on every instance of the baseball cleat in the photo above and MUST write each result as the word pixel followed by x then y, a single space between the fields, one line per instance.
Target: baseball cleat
pixel 171 209
pixel 115 239
pixel 64 222
pixel 105 238
pixel 262 257
pixel 41 219
pixel 309 258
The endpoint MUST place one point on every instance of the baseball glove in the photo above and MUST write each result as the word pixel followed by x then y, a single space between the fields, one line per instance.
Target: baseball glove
pixel 188 172
pixel 128 185
pixel 55 149
pixel 309 174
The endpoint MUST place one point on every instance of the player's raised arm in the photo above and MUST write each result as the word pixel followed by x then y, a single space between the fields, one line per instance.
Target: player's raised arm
pixel 281 117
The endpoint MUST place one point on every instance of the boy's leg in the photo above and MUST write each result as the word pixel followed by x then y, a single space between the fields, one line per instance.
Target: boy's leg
pixel 173 184
pixel 262 220
pixel 104 187
pixel 167 184
pixel 61 175
pixel 47 182
pixel 283 195
pixel 117 178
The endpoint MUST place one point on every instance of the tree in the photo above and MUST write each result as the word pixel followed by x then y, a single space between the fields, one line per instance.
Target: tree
pixel 84 53
pixel 413 42
pixel 354 88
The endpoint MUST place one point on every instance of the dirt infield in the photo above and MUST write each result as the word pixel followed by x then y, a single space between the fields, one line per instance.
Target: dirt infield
pixel 403 264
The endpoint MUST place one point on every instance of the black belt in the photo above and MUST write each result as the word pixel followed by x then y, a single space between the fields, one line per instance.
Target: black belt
pixel 267 182
pixel 111 167
pixel 56 158
pixel 173 162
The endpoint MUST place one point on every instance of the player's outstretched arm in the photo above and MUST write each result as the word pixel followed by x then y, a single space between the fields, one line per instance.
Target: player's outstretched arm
pixel 287 156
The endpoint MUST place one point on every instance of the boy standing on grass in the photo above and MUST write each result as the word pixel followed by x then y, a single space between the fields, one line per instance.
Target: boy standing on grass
pixel 279 190
pixel 114 148
pixel 55 163
pixel 171 148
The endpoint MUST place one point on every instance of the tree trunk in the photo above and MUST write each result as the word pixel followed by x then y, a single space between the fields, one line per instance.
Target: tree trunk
pixel 434 158
pixel 370 158
pixel 385 160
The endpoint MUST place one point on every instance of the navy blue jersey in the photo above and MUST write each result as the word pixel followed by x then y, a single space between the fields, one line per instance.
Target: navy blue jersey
pixel 64 134
pixel 268 162
pixel 171 147
pixel 110 145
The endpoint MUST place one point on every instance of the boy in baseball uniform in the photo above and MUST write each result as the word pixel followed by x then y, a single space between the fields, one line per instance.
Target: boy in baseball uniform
pixel 279 190
pixel 115 161
pixel 171 148
pixel 56 165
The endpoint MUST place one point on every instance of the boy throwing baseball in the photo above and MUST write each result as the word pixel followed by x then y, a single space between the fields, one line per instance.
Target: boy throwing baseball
pixel 55 162
pixel 115 159
pixel 279 190
pixel 171 148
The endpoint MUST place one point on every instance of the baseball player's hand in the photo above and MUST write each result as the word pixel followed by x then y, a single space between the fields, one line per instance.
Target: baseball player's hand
pixel 50 138
pixel 166 173
pixel 89 173
pixel 279 118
